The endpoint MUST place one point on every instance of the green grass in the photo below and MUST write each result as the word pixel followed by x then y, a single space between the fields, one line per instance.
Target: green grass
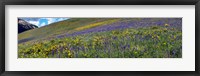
pixel 146 42
pixel 59 28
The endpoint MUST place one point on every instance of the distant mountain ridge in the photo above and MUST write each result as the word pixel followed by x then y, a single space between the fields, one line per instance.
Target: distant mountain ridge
pixel 24 26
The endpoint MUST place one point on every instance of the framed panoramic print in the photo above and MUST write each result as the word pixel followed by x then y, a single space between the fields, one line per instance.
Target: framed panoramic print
pixel 98 37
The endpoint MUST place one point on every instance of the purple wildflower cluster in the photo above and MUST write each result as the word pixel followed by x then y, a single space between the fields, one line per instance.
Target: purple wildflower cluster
pixel 127 23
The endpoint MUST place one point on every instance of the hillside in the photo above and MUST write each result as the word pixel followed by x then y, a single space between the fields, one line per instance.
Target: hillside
pixel 104 38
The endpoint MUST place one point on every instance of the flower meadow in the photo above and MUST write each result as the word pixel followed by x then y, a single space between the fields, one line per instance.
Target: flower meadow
pixel 106 38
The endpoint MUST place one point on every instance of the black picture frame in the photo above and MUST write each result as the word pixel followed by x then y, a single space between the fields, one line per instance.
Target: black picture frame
pixel 99 2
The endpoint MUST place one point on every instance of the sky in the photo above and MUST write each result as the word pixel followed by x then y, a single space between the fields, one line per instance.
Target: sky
pixel 42 21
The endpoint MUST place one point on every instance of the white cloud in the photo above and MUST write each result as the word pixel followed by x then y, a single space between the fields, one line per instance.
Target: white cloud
pixel 43 24
pixel 61 19
pixel 34 22
pixel 51 20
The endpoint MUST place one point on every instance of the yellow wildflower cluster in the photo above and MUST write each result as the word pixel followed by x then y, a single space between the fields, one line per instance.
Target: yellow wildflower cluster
pixel 95 24
pixel 166 24
pixel 126 32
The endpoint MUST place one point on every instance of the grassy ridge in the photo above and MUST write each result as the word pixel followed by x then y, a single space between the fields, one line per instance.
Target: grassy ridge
pixel 61 27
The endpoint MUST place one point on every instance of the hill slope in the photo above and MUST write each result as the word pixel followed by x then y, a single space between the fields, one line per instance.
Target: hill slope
pixel 78 26
pixel 63 27
pixel 104 38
